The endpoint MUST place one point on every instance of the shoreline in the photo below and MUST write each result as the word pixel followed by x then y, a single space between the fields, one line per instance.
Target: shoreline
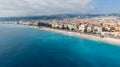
pixel 108 40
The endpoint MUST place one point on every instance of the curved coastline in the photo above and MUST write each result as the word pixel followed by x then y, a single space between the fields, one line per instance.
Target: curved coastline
pixel 108 40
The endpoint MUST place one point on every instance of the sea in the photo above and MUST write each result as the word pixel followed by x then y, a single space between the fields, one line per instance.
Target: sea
pixel 22 46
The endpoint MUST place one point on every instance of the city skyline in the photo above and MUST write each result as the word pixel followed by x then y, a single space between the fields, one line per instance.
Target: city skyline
pixel 13 8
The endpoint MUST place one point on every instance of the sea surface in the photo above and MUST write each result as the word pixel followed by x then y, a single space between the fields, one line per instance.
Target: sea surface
pixel 22 46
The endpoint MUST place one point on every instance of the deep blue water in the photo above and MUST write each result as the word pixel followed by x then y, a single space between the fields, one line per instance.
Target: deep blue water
pixel 26 47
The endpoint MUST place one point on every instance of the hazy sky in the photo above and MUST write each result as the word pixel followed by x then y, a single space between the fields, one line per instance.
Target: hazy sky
pixel 49 7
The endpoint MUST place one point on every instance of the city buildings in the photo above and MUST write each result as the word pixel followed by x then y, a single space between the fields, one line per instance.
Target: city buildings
pixel 102 26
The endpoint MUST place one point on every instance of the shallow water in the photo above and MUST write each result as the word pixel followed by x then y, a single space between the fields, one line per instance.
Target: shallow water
pixel 22 46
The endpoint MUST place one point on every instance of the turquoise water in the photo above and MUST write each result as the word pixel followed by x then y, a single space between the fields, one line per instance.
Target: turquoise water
pixel 26 47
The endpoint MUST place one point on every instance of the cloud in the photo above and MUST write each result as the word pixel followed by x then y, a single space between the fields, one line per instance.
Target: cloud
pixel 43 7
